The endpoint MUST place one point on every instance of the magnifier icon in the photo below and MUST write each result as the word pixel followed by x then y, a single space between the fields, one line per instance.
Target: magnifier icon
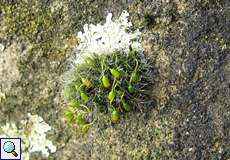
pixel 9 147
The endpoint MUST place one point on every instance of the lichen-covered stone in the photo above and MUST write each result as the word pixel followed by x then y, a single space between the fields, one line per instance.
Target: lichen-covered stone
pixel 189 40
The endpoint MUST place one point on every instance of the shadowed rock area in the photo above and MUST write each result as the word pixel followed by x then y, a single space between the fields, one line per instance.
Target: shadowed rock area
pixel 189 41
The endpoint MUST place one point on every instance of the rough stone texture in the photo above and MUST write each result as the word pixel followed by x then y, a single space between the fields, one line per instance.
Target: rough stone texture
pixel 189 41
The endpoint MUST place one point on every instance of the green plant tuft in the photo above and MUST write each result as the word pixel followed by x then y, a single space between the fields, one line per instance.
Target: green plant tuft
pixel 113 84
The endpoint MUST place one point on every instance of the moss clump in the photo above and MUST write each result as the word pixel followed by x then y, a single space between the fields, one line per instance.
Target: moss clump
pixel 112 84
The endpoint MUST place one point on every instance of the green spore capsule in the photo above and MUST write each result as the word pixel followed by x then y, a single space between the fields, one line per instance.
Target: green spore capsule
pixel 86 82
pixel 112 95
pixel 115 116
pixel 126 106
pixel 116 74
pixel 134 77
pixel 84 96
pixel 105 82
pixel 131 89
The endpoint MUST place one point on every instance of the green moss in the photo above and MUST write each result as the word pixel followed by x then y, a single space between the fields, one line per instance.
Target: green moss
pixel 104 83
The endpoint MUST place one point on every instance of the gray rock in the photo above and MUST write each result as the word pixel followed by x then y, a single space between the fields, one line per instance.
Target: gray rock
pixel 189 41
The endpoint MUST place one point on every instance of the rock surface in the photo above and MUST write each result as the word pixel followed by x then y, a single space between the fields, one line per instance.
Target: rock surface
pixel 190 42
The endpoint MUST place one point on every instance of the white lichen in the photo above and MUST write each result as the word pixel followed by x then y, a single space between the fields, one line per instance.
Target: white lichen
pixel 107 38
pixel 33 134
pixel 2 47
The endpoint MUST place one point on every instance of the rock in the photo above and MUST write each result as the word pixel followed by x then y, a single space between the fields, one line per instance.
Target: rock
pixel 2 47
pixel 189 40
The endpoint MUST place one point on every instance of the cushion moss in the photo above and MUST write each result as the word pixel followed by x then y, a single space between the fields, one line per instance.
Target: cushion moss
pixel 88 94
